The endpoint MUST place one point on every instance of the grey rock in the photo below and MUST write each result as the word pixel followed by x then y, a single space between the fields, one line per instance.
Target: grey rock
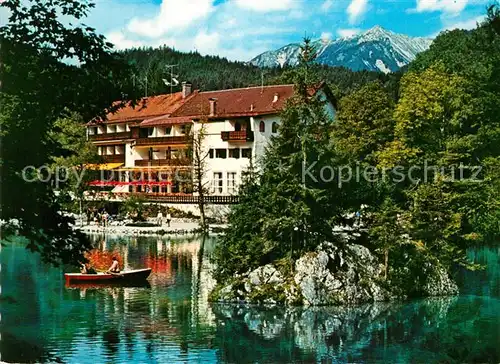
pixel 267 274
pixel 439 283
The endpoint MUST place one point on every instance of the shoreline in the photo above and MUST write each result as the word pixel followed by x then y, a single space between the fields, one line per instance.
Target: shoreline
pixel 175 228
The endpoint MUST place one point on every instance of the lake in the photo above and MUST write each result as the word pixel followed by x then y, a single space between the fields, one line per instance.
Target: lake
pixel 170 320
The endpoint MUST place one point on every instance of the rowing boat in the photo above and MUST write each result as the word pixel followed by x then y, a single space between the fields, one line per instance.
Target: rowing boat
pixel 125 276
pixel 107 284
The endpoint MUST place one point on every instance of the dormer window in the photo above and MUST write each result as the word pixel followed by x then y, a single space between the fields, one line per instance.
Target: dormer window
pixel 262 127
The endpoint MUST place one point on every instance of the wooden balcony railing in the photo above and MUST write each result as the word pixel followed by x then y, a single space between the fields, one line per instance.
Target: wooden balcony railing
pixel 163 140
pixel 110 136
pixel 237 136
pixel 188 199
pixel 163 162
pixel 115 158
pixel 173 198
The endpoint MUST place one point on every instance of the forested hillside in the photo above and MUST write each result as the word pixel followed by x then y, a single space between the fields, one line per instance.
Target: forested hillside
pixel 215 73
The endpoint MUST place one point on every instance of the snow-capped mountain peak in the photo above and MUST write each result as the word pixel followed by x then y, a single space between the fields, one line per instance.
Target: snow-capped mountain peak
pixel 376 49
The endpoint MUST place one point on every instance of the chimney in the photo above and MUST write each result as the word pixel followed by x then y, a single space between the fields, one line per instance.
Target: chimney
pixel 186 89
pixel 251 107
pixel 213 106
pixel 276 97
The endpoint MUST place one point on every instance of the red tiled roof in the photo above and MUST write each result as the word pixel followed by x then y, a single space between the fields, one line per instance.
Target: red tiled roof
pixel 252 101
pixel 166 120
pixel 173 109
pixel 149 107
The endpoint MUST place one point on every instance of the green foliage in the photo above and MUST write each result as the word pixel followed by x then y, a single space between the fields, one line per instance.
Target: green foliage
pixel 280 213
pixel 39 86
pixel 443 120
pixel 214 73
pixel 204 72
pixel 364 123
pixel 386 230
pixel 135 207
pixel 74 154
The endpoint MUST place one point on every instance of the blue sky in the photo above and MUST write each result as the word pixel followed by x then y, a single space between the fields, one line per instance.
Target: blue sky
pixel 242 29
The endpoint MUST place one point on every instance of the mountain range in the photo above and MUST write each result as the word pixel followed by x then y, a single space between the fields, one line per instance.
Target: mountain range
pixel 377 49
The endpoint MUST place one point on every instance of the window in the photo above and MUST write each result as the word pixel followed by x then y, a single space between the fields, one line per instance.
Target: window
pixel 237 126
pixel 262 127
pixel 246 153
pixel 150 131
pixel 234 153
pixel 93 130
pixel 231 183
pixel 275 128
pixel 211 154
pixel 218 183
pixel 143 133
pixel 168 130
pixel 221 153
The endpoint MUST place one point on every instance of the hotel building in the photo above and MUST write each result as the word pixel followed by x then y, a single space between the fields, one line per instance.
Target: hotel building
pixel 148 147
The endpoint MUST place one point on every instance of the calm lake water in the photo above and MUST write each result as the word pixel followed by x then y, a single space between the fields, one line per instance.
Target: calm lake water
pixel 170 320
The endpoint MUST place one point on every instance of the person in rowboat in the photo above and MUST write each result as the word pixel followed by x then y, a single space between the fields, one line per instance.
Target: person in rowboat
pixel 115 266
pixel 87 269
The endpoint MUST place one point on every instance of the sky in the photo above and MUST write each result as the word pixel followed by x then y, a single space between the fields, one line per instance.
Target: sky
pixel 242 29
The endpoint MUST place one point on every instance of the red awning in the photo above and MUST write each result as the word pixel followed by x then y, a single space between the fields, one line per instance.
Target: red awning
pixel 133 183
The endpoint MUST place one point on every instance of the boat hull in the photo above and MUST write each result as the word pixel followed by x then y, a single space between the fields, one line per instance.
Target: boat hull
pixel 125 277
pixel 107 284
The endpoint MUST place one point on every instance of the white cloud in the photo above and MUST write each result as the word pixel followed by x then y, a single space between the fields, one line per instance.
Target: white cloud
pixel 259 32
pixel 326 36
pixel 207 43
pixel 173 15
pixel 327 5
pixel 121 42
pixel 346 33
pixel 356 9
pixel 448 6
pixel 264 5
pixel 464 24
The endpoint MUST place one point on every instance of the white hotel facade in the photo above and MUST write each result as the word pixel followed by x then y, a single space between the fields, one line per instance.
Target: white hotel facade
pixel 148 146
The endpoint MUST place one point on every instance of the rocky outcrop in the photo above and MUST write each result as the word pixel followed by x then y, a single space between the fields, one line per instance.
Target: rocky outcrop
pixel 439 283
pixel 340 277
pixel 331 276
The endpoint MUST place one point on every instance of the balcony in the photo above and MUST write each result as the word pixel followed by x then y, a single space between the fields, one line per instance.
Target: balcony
pixel 171 140
pixel 110 136
pixel 237 136
pixel 114 158
pixel 163 162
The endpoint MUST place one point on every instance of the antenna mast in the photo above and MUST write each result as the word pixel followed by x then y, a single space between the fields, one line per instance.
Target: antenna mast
pixel 171 68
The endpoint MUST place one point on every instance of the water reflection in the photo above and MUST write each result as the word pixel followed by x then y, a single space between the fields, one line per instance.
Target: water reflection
pixel 445 329
pixel 170 320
